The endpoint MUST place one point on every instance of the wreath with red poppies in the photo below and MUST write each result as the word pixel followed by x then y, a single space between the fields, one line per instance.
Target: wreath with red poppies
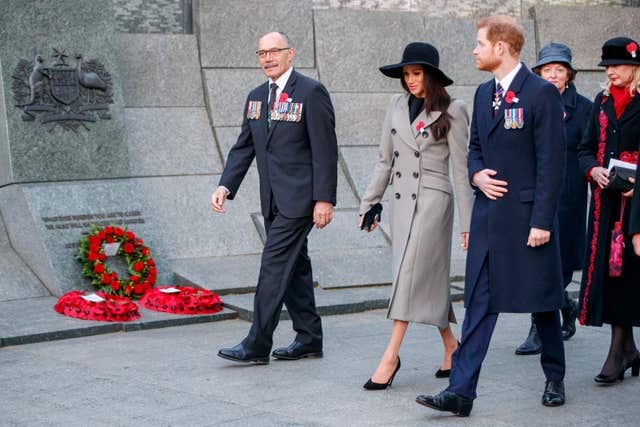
pixel 140 264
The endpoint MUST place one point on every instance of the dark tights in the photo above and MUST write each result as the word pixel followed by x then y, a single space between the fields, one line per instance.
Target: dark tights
pixel 623 350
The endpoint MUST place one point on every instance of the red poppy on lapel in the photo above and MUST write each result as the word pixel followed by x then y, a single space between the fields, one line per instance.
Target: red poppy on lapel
pixel 284 96
pixel 510 97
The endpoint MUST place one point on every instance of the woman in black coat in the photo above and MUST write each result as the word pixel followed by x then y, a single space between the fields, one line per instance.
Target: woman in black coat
pixel 613 132
pixel 554 65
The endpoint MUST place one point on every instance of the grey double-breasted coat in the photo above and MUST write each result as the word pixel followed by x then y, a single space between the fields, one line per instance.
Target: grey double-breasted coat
pixel 415 168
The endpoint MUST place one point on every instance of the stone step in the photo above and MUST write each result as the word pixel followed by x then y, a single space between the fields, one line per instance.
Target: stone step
pixel 329 301
pixel 332 269
pixel 32 320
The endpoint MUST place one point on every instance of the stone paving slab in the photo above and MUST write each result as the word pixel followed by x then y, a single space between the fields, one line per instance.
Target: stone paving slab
pixel 170 141
pixel 30 320
pixel 171 376
pixel 160 70
pixel 590 28
pixel 229 31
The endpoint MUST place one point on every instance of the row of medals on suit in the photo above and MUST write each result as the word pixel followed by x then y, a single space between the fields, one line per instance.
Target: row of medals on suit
pixel 283 111
pixel 514 118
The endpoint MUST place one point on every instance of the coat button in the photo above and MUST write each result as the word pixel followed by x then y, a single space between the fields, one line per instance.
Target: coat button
pixel 417 154
pixel 614 131
pixel 425 134
pixel 413 196
pixel 393 131
pixel 397 195
pixel 398 174
pixel 395 153
pixel 415 174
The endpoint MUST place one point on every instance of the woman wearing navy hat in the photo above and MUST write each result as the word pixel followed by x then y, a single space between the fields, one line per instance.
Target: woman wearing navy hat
pixel 554 65
pixel 422 129
pixel 613 132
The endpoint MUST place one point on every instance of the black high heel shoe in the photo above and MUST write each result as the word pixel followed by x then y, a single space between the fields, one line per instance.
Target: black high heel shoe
pixel 612 379
pixel 370 385
pixel 445 373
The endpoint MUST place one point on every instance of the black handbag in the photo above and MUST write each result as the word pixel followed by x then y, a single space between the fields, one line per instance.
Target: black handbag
pixel 619 179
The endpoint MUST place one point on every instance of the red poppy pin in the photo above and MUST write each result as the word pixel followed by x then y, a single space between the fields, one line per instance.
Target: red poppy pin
pixel 632 48
pixel 510 97
pixel 284 97
pixel 421 129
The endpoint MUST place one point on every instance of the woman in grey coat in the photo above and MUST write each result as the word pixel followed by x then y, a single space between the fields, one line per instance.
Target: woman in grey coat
pixel 423 129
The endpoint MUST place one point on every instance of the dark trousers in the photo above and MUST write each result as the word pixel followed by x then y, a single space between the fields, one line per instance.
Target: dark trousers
pixel 285 277
pixel 477 329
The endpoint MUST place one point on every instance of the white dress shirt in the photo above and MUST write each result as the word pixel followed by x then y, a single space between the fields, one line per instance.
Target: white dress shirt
pixel 281 82
pixel 506 80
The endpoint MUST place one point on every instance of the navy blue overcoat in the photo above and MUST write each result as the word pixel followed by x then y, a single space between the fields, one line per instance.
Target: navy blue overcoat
pixel 572 211
pixel 531 159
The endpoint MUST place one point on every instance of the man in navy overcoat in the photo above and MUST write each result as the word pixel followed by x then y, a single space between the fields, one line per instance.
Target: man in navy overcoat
pixel 516 161
pixel 289 128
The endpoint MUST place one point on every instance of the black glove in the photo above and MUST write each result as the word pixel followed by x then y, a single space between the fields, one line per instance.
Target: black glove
pixel 372 216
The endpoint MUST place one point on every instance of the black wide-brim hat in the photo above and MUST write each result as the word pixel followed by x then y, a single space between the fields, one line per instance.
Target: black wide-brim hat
pixel 620 51
pixel 421 54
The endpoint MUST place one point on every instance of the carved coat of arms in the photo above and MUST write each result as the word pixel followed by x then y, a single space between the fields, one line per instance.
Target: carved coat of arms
pixel 61 94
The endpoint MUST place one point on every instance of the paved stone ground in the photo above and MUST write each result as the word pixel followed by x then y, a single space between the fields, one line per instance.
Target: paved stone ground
pixel 171 376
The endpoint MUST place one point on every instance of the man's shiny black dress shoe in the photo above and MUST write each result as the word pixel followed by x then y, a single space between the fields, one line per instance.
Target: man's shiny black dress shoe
pixel 533 344
pixel 240 354
pixel 447 401
pixel 553 393
pixel 297 351
pixel 370 385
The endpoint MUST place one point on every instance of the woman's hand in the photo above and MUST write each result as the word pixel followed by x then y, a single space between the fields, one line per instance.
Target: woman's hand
pixel 630 192
pixel 464 238
pixel 373 226
pixel 600 176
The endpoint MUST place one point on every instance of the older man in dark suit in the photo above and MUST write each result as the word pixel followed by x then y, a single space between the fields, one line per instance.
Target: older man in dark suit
pixel 289 128
pixel 516 164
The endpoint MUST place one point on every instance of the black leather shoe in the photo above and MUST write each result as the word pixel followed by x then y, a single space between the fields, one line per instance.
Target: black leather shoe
pixel 569 316
pixel 297 351
pixel 240 354
pixel 532 345
pixel 553 393
pixel 447 401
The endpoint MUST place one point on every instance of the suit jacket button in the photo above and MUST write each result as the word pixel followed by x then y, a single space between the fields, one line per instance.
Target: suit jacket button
pixel 417 154
pixel 415 174
pixel 395 153
pixel 413 196
pixel 393 131
pixel 397 195
pixel 398 174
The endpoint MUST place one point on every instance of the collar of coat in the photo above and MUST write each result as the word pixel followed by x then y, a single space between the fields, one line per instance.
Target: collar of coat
pixel 408 132
pixel 631 112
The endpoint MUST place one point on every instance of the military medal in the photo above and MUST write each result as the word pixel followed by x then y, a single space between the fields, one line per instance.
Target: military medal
pixel 253 110
pixel 514 118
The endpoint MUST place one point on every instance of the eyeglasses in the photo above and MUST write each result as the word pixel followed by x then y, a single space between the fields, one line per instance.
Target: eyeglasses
pixel 272 51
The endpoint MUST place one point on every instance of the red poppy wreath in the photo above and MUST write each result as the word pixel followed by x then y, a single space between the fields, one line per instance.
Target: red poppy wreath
pixel 181 300
pixel 101 242
pixel 108 308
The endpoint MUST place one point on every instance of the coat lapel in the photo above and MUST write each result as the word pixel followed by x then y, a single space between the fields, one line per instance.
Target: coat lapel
pixel 515 87
pixel 428 120
pixel 289 88
pixel 570 99
pixel 405 132
pixel 631 111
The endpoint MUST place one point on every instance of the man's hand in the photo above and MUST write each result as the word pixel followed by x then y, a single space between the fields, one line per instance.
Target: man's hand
pixel 600 175
pixel 322 213
pixel 636 243
pixel 218 198
pixel 492 188
pixel 464 237
pixel 538 237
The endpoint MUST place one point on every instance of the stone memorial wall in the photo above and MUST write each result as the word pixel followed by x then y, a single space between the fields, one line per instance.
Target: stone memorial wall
pixel 171 107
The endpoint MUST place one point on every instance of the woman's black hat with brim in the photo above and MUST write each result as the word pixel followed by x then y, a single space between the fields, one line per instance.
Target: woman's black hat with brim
pixel 420 54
